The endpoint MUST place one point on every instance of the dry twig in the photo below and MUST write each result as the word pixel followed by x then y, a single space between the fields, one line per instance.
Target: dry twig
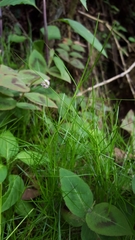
pixel 108 80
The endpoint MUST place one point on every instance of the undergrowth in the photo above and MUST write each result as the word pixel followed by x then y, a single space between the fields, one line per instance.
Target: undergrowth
pixel 83 142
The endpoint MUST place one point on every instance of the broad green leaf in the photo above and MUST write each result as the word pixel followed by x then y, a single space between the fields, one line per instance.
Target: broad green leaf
pixel 7 103
pixel 87 233
pixel 13 82
pixel 28 76
pixel 14 192
pixel 48 92
pixel 37 62
pixel 3 173
pixel 32 77
pixel 40 99
pixel 16 39
pixel 84 3
pixel 60 65
pixel 133 184
pixel 6 92
pixel 53 32
pixel 4 3
pixel 7 70
pixel 8 145
pixel 76 63
pixel 76 55
pixel 86 34
pixel 23 208
pixel 53 71
pixel 30 157
pixel 25 105
pixel 108 220
pixel 76 193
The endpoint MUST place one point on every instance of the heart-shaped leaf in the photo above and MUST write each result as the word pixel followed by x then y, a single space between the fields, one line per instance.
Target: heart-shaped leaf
pixel 76 193
pixel 108 220
pixel 53 71
pixel 37 62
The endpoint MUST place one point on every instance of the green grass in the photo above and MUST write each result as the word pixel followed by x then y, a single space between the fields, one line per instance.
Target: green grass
pixel 70 139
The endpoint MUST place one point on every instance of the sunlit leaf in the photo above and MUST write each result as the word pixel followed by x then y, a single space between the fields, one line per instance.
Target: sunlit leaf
pixel 16 39
pixel 30 157
pixel 53 32
pixel 84 3
pixel 86 34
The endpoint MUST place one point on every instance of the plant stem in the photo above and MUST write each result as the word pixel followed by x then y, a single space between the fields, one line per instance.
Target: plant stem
pixel 46 32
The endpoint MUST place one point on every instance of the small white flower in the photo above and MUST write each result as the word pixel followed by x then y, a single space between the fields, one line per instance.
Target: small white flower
pixel 45 83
